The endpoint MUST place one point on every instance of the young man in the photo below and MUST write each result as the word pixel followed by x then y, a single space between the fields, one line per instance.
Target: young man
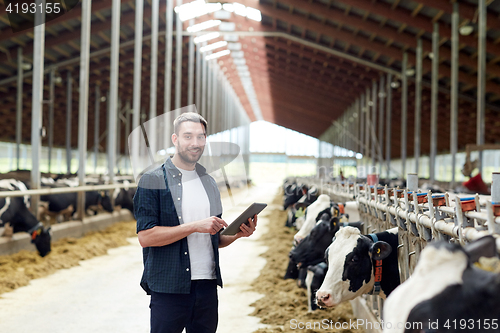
pixel 178 211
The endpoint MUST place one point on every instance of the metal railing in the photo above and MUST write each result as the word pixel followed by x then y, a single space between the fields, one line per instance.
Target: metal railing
pixel 59 190
pixel 420 218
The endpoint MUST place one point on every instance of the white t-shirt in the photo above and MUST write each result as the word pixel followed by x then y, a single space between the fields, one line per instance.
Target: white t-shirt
pixel 196 206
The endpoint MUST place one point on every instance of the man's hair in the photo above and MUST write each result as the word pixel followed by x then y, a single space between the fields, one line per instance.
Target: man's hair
pixel 189 116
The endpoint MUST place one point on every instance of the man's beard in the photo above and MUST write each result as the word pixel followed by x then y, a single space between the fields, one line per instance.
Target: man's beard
pixel 187 158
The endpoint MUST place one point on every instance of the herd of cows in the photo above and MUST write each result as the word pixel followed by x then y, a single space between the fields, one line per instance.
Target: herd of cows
pixel 334 259
pixel 16 216
pixel 337 262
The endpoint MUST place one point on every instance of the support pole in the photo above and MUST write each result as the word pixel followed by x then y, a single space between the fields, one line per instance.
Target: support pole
pixel 127 125
pixel 210 73
pixel 434 101
pixel 358 126
pixel 19 104
pixel 204 83
pixel 495 187
pixel 213 108
pixel 139 11
pixel 153 140
pixel 412 182
pixel 113 88
pixel 373 126
pixel 361 116
pixel 198 77
pixel 178 62
pixel 454 92
pixel 37 103
pixel 118 134
pixel 418 105
pixel 367 129
pixel 190 97
pixel 69 111
pixel 97 104
pixel 388 126
pixel 381 96
pixel 168 71
pixel 51 116
pixel 404 112
pixel 481 79
pixel 84 99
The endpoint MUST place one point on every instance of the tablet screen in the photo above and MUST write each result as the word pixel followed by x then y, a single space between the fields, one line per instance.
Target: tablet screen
pixel 252 210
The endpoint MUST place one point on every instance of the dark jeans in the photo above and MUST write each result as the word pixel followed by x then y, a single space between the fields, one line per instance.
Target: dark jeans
pixel 197 311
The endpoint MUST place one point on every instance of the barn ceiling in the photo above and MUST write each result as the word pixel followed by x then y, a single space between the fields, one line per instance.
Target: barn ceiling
pixel 300 82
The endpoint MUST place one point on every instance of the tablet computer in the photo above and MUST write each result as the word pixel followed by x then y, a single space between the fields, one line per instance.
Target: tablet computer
pixel 234 227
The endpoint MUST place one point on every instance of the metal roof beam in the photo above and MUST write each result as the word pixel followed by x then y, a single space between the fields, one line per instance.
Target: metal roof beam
pixel 401 37
pixel 373 46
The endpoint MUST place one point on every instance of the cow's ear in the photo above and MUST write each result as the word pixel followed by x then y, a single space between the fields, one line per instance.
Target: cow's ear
pixel 380 250
pixel 483 247
pixel 334 224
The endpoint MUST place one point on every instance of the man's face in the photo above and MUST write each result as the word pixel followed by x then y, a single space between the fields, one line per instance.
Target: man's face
pixel 190 141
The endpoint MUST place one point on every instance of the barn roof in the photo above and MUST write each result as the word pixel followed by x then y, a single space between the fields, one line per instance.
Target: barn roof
pixel 309 60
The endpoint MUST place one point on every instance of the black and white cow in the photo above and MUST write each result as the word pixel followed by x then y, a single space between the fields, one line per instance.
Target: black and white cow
pixel 293 193
pixel 13 210
pixel 312 249
pixel 312 215
pixel 447 292
pixel 292 272
pixel 360 264
pixel 297 210
pixel 124 197
pixel 315 277
pixel 60 202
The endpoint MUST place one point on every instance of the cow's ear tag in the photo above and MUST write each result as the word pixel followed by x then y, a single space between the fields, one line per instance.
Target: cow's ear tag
pixel 103 194
pixel 380 250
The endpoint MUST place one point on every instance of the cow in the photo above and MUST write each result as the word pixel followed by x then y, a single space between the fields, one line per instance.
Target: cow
pixel 13 210
pixel 292 271
pixel 315 277
pixel 447 292
pixel 124 197
pixel 312 249
pixel 293 193
pixel 16 185
pixel 313 214
pixel 360 264
pixel 63 202
pixel 296 211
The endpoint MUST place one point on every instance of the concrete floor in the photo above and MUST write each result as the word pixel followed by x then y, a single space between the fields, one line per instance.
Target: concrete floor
pixel 103 293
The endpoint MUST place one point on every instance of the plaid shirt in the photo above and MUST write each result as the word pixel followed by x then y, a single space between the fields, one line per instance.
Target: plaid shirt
pixel 167 268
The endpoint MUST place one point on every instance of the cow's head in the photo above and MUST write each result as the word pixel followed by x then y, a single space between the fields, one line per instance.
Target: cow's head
pixel 311 250
pixel 105 201
pixel 446 273
pixel 350 262
pixel 41 238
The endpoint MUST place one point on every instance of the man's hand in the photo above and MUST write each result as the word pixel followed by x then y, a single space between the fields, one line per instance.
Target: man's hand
pixel 247 229
pixel 211 225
